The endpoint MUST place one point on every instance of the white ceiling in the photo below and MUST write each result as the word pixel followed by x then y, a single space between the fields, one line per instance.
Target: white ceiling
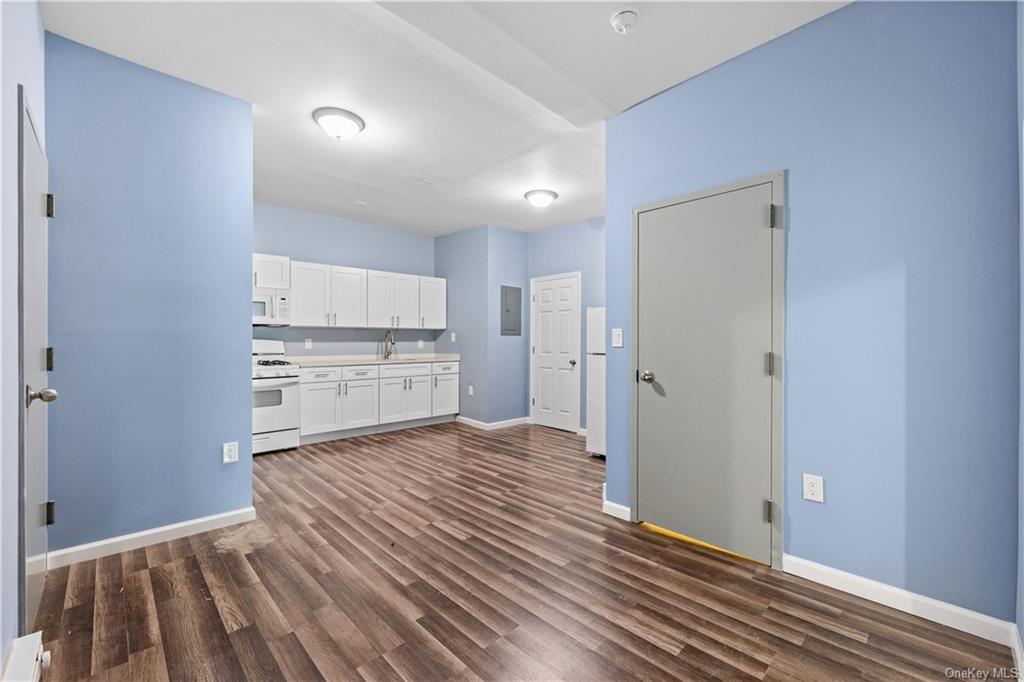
pixel 467 105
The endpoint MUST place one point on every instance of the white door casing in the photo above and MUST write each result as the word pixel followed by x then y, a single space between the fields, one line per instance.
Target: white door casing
pixel 555 357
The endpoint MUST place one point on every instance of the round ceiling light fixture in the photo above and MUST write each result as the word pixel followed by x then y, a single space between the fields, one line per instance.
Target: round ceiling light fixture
pixel 340 124
pixel 541 198
pixel 625 20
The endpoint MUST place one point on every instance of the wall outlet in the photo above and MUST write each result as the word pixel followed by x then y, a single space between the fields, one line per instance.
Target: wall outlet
pixel 616 338
pixel 453 337
pixel 469 389
pixel 814 488
pixel 309 343
pixel 230 452
pixel 419 343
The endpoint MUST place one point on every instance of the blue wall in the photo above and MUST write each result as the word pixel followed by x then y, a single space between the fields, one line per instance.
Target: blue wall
pixel 323 239
pixel 897 125
pixel 509 391
pixel 150 272
pixel 462 258
pixel 21 40
pixel 576 247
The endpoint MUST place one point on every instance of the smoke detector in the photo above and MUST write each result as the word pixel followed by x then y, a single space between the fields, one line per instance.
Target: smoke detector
pixel 625 19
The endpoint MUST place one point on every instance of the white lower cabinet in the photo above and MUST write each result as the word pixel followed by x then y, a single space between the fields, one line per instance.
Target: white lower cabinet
pixel 320 408
pixel 392 400
pixel 352 397
pixel 446 394
pixel 358 403
pixel 404 398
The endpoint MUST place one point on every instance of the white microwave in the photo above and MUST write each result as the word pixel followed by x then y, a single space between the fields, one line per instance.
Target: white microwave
pixel 270 307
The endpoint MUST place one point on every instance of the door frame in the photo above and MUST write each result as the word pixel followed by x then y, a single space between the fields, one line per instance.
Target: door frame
pixel 533 357
pixel 777 181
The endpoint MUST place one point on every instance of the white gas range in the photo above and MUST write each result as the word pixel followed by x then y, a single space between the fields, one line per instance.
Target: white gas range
pixel 275 398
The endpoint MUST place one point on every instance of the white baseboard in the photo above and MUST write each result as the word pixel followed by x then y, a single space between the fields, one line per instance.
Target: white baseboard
pixel 490 426
pixel 986 627
pixel 25 660
pixel 615 509
pixel 1018 652
pixel 123 543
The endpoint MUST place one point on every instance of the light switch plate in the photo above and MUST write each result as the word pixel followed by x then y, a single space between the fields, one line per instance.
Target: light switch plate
pixel 309 343
pixel 230 452
pixel 814 488
pixel 469 389
pixel 453 337
pixel 616 338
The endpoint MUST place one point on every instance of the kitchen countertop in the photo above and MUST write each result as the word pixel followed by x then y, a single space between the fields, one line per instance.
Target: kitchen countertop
pixel 348 360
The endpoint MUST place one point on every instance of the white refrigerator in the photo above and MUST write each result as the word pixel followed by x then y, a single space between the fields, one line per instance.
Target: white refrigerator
pixel 595 381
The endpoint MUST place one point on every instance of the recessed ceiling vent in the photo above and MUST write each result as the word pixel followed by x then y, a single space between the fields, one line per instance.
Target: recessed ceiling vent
pixel 624 21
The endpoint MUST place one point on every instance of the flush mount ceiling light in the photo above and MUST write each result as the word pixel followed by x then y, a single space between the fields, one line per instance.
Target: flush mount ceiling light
pixel 338 123
pixel 541 198
pixel 624 20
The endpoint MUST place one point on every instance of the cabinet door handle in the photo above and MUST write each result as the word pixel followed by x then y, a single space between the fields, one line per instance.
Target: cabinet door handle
pixel 423 322
pixel 346 388
pixel 255 279
pixel 335 316
pixel 398 320
pixel 435 382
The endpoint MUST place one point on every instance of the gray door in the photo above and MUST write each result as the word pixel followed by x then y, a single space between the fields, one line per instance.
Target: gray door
pixel 704 329
pixel 33 229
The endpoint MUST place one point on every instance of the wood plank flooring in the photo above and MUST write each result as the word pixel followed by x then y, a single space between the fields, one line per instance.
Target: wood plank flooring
pixel 448 553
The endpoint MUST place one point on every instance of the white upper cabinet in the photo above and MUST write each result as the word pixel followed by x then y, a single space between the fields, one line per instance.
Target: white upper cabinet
pixel 433 303
pixel 407 301
pixel 392 300
pixel 380 299
pixel 348 297
pixel 335 296
pixel 311 294
pixel 271 272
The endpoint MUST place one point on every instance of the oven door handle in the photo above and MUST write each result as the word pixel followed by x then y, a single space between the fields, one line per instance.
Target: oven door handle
pixel 261 384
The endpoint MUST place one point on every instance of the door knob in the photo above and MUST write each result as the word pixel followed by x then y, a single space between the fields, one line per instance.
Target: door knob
pixel 572 363
pixel 47 395
pixel 647 377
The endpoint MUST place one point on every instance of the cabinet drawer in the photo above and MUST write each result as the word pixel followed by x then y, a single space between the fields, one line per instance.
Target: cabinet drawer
pixel 410 370
pixel 314 374
pixel 361 372
pixel 446 368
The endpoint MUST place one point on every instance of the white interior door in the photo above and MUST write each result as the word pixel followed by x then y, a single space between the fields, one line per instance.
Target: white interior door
pixel 555 357
pixel 33 238
pixel 311 294
pixel 348 297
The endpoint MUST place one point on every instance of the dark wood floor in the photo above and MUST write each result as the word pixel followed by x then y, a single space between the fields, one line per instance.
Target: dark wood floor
pixel 450 553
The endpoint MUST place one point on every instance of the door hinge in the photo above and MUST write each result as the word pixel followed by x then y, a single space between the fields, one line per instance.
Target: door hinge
pixel 637 377
pixel 769 364
pixel 768 511
pixel 533 401
pixel 49 205
pixel 51 512
pixel 49 359
pixel 771 215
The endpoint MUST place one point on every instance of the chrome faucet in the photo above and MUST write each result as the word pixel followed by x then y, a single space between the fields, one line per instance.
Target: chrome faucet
pixel 389 344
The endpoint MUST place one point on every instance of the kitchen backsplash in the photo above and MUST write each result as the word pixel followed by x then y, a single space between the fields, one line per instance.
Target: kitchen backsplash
pixel 346 341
